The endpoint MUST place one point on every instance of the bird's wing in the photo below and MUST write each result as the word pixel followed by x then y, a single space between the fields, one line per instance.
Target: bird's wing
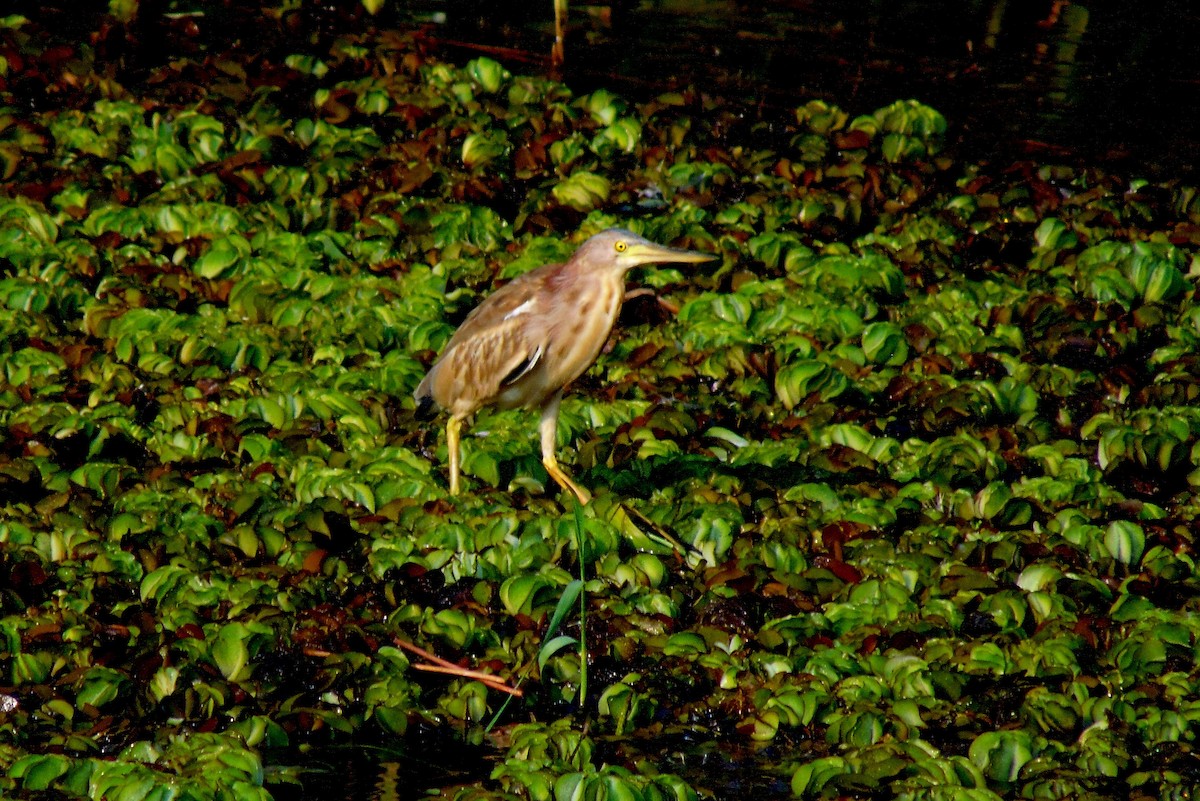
pixel 474 372
pixel 518 298
pixel 499 342
pixel 523 367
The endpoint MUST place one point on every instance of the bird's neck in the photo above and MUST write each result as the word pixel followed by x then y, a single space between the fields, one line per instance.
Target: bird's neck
pixel 594 298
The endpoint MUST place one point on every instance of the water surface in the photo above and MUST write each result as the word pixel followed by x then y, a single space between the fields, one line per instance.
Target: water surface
pixel 1114 84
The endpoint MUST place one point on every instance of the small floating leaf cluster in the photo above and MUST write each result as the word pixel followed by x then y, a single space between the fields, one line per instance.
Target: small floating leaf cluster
pixel 900 504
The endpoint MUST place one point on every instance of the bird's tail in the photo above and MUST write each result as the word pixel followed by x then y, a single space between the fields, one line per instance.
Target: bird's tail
pixel 426 405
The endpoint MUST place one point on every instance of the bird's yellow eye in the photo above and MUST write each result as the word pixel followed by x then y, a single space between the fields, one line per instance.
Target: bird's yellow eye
pixel 620 247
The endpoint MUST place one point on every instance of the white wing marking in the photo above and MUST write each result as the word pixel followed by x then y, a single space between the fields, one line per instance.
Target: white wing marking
pixel 522 309
pixel 524 367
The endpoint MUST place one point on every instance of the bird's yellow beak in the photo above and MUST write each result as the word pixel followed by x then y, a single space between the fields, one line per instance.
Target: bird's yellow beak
pixel 650 253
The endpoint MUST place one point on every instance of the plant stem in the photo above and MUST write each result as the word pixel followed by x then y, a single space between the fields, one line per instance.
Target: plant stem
pixel 583 655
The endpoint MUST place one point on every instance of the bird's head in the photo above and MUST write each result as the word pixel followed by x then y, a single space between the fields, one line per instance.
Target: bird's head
pixel 618 249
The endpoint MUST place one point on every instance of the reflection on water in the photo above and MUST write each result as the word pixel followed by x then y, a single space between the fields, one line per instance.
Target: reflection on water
pixel 1063 89
pixel 1107 82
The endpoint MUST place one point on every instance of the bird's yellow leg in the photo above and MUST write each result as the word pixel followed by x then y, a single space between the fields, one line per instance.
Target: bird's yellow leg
pixel 453 429
pixel 549 431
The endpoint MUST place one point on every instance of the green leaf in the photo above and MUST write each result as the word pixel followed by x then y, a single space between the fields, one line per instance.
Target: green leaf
pixel 582 190
pixel 38 772
pixel 99 477
pixel 796 381
pixel 488 74
pixel 307 64
pixel 566 602
pixel 820 117
pixel 991 500
pixel 220 256
pixel 603 105
pixel 811 778
pixel 484 147
pixel 243 761
pixel 552 647
pixel 622 136
pixel 138 789
pixel 1002 754
pixel 1053 234
pixel 884 343
pixel 570 787
pixel 1038 577
pixel 685 643
pixel 160 583
pixel 988 657
pixel 101 685
pixel 1153 276
pixel 520 594
pixel 231 652
pixel 1125 541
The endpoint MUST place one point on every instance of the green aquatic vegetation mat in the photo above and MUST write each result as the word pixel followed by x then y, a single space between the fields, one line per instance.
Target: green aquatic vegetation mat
pixel 896 500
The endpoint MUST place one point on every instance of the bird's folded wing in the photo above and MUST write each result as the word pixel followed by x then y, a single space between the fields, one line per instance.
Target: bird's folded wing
pixel 516 300
pixel 523 368
pixel 492 360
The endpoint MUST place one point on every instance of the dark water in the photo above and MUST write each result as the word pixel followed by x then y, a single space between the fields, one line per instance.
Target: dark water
pixel 1105 83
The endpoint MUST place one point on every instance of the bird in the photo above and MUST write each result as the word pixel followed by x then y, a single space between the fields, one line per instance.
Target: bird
pixel 531 337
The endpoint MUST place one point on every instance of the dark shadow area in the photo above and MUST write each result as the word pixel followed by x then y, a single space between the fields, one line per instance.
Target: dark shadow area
pixel 1114 84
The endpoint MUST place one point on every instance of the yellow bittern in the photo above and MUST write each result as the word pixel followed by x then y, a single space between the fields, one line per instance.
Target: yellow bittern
pixel 536 334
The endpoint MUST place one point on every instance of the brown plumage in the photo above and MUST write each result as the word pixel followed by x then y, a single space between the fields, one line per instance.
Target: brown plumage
pixel 534 335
